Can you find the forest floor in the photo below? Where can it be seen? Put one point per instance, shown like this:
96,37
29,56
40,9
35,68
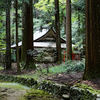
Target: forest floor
61,78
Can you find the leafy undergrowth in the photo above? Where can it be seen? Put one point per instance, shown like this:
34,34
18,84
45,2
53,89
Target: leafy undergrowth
67,67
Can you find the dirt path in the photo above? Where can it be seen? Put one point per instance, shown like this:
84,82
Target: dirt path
11,94
12,91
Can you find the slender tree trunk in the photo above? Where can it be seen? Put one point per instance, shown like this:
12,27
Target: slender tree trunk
92,69
68,30
17,48
8,40
57,28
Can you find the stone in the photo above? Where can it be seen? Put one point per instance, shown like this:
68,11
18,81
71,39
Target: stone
65,96
4,90
98,95
48,58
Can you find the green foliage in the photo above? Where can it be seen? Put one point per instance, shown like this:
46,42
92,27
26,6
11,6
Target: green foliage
46,12
31,65
22,65
3,5
2,30
56,69
78,23
79,5
68,66
73,66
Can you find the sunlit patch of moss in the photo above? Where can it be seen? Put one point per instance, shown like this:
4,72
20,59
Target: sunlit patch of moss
38,95
14,86
1,68
88,88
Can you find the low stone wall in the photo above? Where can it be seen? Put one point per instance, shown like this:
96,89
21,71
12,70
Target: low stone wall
52,88
77,92
84,93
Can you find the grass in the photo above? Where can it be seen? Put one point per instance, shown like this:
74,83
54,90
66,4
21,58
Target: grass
55,70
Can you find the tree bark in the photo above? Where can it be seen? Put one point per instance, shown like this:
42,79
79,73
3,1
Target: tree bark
17,48
30,60
8,40
24,33
27,43
92,69
57,28
68,30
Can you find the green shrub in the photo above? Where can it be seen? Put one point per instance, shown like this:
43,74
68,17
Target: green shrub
73,66
68,66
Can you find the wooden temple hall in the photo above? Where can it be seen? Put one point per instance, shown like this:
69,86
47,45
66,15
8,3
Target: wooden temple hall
44,45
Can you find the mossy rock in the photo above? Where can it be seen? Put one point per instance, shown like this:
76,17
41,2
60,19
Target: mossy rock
83,92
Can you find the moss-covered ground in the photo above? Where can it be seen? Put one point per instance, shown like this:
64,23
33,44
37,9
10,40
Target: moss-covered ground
15,91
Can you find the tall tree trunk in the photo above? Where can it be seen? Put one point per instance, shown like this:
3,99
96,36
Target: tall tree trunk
30,60
92,69
68,30
8,40
27,43
17,48
24,33
57,28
